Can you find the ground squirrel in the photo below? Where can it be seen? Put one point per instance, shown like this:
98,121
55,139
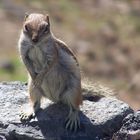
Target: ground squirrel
53,68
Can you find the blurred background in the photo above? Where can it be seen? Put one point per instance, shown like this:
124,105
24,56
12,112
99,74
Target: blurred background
104,34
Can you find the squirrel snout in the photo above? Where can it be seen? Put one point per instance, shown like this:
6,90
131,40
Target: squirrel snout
35,40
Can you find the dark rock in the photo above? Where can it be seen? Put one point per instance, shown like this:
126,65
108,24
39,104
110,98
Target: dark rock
130,129
99,120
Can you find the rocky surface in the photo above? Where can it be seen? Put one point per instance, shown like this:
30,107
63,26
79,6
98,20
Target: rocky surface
130,129
99,120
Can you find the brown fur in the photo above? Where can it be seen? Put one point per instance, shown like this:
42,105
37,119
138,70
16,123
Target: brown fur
67,50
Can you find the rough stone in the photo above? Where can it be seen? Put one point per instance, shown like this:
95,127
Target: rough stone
99,120
130,129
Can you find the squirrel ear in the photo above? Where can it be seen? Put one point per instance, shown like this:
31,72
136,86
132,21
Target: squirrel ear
47,19
26,16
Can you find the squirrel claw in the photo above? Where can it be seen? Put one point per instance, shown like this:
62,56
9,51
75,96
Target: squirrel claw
72,123
24,118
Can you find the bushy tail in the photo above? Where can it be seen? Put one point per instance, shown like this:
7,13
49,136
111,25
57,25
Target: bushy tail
95,91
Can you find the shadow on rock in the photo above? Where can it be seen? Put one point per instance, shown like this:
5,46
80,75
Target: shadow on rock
51,122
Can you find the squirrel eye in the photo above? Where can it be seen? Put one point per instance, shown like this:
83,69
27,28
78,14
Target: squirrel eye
46,28
26,28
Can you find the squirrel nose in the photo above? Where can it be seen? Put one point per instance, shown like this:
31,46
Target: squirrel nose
35,39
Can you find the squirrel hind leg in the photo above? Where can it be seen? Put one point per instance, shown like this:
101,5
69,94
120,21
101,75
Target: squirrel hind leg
72,122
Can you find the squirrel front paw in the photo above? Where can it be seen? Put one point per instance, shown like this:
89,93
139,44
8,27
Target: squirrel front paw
25,118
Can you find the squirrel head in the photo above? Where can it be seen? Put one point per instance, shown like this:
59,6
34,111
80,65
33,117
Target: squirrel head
36,27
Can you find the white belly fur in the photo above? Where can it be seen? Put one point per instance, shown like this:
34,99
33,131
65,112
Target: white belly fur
53,84
58,78
36,56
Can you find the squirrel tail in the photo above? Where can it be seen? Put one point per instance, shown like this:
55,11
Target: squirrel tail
95,91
